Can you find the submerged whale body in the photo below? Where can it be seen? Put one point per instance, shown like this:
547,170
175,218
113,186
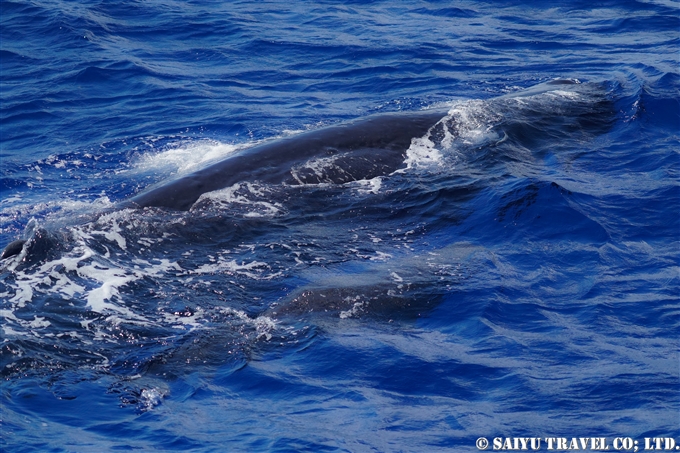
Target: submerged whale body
363,149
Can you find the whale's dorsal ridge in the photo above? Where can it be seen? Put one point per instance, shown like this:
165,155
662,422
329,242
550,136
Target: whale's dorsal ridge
363,149
13,248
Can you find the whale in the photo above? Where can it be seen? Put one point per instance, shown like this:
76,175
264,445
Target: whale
13,248
362,149
359,150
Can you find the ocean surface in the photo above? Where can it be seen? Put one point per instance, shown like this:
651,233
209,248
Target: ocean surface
518,275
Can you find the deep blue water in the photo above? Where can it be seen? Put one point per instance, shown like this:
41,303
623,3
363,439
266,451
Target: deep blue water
519,277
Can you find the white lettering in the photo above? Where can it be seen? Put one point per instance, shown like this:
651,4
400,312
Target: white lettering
598,443
623,443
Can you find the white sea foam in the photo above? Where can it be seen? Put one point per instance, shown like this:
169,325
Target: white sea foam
469,122
472,122
254,269
90,281
358,307
151,397
263,325
366,186
55,213
380,256
254,198
475,123
422,152
185,156
321,167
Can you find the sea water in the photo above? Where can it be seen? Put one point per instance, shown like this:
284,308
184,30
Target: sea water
518,277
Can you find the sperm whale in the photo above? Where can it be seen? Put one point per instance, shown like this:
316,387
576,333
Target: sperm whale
359,150
364,149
